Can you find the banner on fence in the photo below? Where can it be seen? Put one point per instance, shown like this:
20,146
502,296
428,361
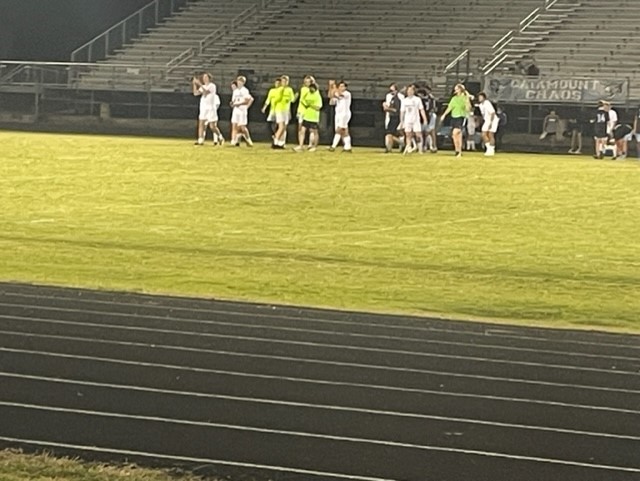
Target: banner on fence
529,89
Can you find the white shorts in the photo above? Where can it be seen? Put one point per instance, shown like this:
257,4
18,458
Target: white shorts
413,126
208,115
342,120
489,126
283,117
239,116
271,117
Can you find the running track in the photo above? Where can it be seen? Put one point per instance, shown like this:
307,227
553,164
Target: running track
311,393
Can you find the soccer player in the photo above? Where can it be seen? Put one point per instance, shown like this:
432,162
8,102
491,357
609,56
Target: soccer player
621,135
269,103
282,106
312,104
241,100
341,98
209,103
412,116
600,126
391,107
459,107
304,90
489,123
429,128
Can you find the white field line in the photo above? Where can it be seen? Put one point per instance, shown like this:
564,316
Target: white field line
269,327
501,332
172,367
559,367
325,437
221,462
327,407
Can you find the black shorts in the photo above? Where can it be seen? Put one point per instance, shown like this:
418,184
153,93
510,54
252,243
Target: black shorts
458,122
600,131
392,128
310,125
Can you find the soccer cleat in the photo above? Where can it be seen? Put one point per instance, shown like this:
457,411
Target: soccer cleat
347,151
458,155
312,149
331,149
298,148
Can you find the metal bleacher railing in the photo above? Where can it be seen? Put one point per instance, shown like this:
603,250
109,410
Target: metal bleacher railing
126,30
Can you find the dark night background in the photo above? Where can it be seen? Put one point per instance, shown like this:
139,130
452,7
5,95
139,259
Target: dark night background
50,29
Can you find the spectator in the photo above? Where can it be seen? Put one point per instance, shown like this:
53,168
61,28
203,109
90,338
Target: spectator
550,126
502,125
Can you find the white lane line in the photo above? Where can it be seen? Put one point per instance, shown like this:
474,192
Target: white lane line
299,360
270,327
327,407
188,459
320,382
325,437
485,332
266,340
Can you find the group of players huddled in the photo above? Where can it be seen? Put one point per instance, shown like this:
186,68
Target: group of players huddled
410,115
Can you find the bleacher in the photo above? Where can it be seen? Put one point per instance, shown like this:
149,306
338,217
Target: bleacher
375,42
603,39
401,41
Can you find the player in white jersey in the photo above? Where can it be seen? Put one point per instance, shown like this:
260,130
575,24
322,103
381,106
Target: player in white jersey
490,122
341,98
241,100
204,88
412,116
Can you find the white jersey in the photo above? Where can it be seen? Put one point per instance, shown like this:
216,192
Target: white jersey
387,100
613,120
207,96
239,98
487,110
343,103
411,107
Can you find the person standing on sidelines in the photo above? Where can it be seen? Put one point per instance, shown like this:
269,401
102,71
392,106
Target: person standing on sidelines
282,106
391,107
459,107
312,104
209,103
490,122
429,128
341,98
600,130
412,117
269,103
241,100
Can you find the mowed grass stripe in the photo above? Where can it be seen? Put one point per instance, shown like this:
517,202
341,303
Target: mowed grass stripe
539,239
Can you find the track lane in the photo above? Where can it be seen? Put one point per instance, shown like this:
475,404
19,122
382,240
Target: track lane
164,376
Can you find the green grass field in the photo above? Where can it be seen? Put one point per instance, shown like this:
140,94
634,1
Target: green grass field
538,239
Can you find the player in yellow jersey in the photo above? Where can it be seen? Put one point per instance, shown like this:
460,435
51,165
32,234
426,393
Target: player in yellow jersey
269,103
283,99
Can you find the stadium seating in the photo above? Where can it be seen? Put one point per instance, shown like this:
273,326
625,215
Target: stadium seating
400,41
387,41
599,39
